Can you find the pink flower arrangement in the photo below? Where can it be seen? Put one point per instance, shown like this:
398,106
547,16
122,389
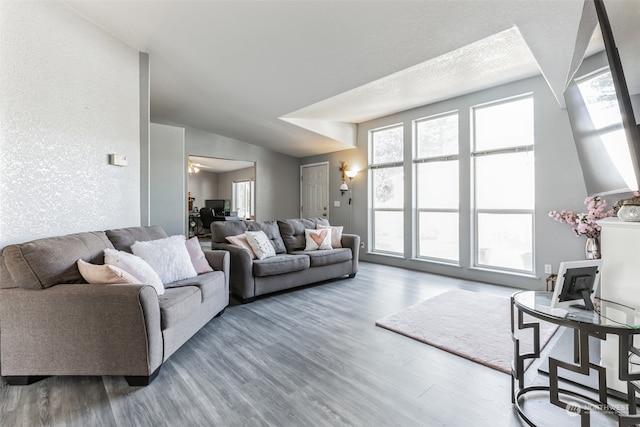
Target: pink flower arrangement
585,223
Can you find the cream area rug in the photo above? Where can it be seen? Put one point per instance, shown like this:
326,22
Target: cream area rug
472,325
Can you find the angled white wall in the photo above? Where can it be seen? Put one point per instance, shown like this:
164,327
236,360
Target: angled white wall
70,96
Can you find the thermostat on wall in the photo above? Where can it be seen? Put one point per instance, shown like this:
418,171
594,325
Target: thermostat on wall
118,159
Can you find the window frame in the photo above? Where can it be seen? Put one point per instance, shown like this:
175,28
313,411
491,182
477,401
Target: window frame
475,211
372,209
416,162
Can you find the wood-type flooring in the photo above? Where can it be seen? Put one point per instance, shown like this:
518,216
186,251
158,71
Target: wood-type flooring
308,357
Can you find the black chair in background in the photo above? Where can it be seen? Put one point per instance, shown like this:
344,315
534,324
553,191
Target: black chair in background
206,217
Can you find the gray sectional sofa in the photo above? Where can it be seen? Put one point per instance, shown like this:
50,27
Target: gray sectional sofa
292,266
53,323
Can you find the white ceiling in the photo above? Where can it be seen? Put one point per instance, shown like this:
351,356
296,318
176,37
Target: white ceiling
211,164
256,71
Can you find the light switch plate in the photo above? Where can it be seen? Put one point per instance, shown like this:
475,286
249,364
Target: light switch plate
336,203
118,159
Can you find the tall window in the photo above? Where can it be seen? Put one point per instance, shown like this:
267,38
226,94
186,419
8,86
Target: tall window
504,184
387,186
437,189
242,200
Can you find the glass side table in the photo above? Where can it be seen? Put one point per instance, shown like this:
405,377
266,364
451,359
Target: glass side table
609,318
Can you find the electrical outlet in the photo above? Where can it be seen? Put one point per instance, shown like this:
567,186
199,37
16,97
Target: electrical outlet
361,245
547,269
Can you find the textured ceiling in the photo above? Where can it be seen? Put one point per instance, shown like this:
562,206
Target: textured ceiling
257,71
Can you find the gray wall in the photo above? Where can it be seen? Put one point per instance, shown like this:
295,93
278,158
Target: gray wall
225,181
559,184
203,186
167,173
70,97
277,175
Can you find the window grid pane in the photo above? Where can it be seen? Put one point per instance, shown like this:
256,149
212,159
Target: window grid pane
389,231
437,185
387,145
437,137
438,233
388,187
505,240
505,181
504,125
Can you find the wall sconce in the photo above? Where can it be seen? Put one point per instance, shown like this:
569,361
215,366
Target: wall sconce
346,173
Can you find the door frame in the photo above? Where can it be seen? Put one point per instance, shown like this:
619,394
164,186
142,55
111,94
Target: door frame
326,165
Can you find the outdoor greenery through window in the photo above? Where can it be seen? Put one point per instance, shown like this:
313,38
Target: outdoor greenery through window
504,184
437,187
387,183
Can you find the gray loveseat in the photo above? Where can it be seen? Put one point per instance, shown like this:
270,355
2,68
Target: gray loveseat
292,266
53,323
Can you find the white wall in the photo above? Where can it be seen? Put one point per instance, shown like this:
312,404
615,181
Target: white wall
70,96
559,184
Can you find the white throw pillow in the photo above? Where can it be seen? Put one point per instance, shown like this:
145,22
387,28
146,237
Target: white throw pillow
104,274
168,257
260,244
336,234
317,239
199,261
135,266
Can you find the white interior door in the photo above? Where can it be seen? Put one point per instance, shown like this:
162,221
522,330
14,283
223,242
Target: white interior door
314,194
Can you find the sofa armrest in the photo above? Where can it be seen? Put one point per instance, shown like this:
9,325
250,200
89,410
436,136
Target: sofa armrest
241,282
76,329
219,260
352,241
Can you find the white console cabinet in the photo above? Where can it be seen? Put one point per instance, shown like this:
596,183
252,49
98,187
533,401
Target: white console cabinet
620,282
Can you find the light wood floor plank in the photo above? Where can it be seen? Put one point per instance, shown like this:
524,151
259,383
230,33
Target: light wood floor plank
309,357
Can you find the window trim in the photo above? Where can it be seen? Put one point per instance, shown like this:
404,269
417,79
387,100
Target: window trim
475,211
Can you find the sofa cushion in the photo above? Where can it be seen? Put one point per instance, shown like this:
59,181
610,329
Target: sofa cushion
292,231
327,257
104,274
220,230
46,262
123,238
260,244
280,264
210,284
135,266
168,257
178,303
198,259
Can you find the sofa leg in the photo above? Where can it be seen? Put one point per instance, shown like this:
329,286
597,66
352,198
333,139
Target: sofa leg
142,380
221,312
23,379
352,275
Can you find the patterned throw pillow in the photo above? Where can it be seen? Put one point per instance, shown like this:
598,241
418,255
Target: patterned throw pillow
317,239
336,234
260,244
241,241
